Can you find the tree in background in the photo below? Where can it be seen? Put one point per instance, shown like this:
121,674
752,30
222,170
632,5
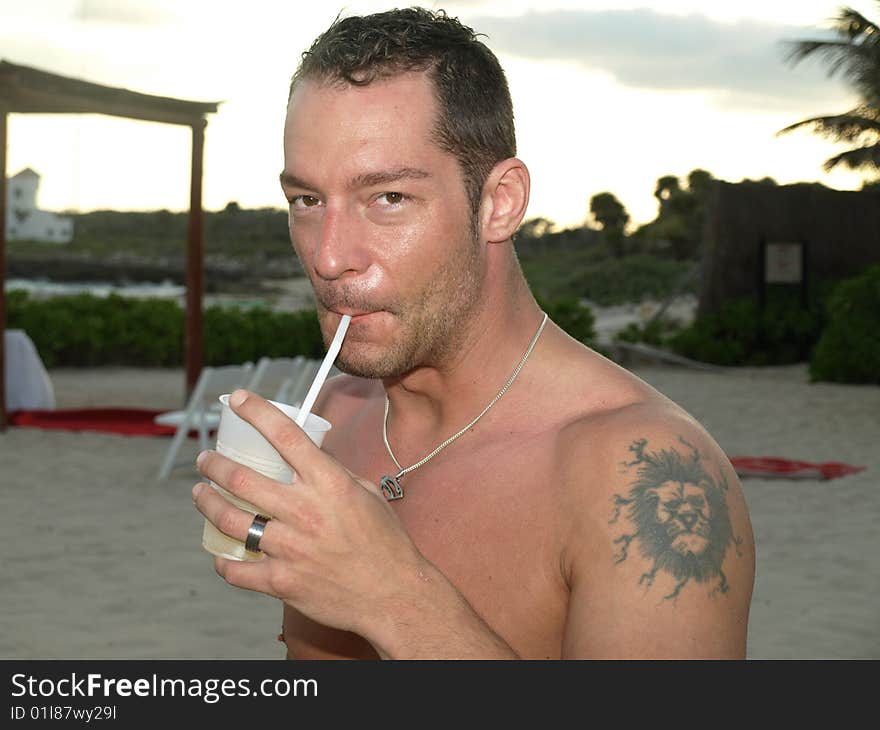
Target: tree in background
666,187
678,228
612,218
855,54
536,227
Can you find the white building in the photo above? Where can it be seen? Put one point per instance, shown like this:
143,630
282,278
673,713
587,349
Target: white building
24,221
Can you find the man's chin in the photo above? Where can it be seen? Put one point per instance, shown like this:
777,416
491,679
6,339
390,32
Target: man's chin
375,362
365,360
364,368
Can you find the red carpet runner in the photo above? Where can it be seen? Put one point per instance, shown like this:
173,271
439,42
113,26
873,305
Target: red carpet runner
128,421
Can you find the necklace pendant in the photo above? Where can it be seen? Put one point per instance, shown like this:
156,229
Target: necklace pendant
391,488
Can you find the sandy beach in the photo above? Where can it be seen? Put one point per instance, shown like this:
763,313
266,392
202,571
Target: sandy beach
106,562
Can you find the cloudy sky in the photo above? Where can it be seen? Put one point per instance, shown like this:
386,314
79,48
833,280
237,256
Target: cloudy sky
608,94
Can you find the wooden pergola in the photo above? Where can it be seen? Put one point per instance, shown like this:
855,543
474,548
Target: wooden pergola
25,90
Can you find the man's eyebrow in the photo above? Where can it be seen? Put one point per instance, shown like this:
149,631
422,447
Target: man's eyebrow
289,180
364,180
383,177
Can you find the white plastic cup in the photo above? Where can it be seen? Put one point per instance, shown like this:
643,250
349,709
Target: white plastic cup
241,442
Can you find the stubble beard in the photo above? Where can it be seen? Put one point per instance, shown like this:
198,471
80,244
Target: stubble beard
431,326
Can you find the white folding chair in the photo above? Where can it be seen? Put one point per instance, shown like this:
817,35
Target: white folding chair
271,373
295,387
202,411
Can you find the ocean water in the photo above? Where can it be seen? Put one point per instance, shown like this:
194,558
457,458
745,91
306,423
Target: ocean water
293,294
42,288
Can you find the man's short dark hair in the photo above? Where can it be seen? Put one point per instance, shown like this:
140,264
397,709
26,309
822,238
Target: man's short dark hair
475,111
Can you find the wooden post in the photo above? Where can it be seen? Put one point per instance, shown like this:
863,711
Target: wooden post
3,418
195,252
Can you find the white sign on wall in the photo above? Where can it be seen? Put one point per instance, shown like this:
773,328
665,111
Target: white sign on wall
783,263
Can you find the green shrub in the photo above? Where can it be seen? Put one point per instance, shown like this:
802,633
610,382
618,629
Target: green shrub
849,349
83,331
742,334
572,316
656,332
149,332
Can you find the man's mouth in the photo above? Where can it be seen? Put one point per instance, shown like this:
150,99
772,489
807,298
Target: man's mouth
355,314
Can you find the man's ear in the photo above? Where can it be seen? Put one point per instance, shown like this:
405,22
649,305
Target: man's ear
505,199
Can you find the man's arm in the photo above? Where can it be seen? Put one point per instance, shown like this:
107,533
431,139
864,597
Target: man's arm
662,562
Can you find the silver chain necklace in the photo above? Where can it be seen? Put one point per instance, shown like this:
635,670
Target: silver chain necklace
389,485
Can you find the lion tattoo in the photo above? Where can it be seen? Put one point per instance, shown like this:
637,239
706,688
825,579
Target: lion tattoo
680,515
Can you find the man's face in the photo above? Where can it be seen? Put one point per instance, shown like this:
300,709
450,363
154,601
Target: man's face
380,220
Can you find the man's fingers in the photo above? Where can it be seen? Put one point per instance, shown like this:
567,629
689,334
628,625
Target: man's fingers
252,576
292,442
265,494
229,519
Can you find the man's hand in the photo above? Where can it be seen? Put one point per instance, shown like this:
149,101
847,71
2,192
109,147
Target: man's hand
334,548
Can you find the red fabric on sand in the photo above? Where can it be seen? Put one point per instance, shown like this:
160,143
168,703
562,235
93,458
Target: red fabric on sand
128,421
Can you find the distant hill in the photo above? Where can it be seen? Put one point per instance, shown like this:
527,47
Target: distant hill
241,246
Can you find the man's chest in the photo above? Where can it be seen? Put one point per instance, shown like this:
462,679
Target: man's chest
484,513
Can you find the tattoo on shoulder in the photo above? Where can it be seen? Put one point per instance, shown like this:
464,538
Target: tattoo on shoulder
678,518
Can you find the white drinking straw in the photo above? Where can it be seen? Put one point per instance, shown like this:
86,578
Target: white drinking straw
329,359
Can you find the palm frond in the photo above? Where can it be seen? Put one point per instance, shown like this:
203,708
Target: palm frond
853,52
845,58
850,126
857,159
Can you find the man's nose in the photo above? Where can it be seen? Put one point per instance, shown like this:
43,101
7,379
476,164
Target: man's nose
340,249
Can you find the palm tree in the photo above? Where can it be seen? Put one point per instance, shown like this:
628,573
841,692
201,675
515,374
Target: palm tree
612,218
855,54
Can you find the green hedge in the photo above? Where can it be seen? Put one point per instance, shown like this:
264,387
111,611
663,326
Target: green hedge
741,333
84,330
849,349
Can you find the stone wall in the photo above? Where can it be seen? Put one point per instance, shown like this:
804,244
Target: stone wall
841,230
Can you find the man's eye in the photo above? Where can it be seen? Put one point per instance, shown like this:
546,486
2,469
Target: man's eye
302,202
391,199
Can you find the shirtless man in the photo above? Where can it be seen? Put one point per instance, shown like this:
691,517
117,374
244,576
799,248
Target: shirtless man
583,515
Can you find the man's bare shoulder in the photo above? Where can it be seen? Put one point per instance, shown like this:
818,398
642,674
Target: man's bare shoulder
609,442
659,534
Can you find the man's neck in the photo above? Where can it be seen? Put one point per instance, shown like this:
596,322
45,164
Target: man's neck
430,403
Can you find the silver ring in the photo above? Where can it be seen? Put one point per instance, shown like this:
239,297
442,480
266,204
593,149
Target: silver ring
255,533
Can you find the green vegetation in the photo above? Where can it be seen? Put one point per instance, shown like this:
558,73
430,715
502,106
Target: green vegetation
233,231
742,334
677,231
574,273
612,218
242,247
657,332
84,330
849,349
573,317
